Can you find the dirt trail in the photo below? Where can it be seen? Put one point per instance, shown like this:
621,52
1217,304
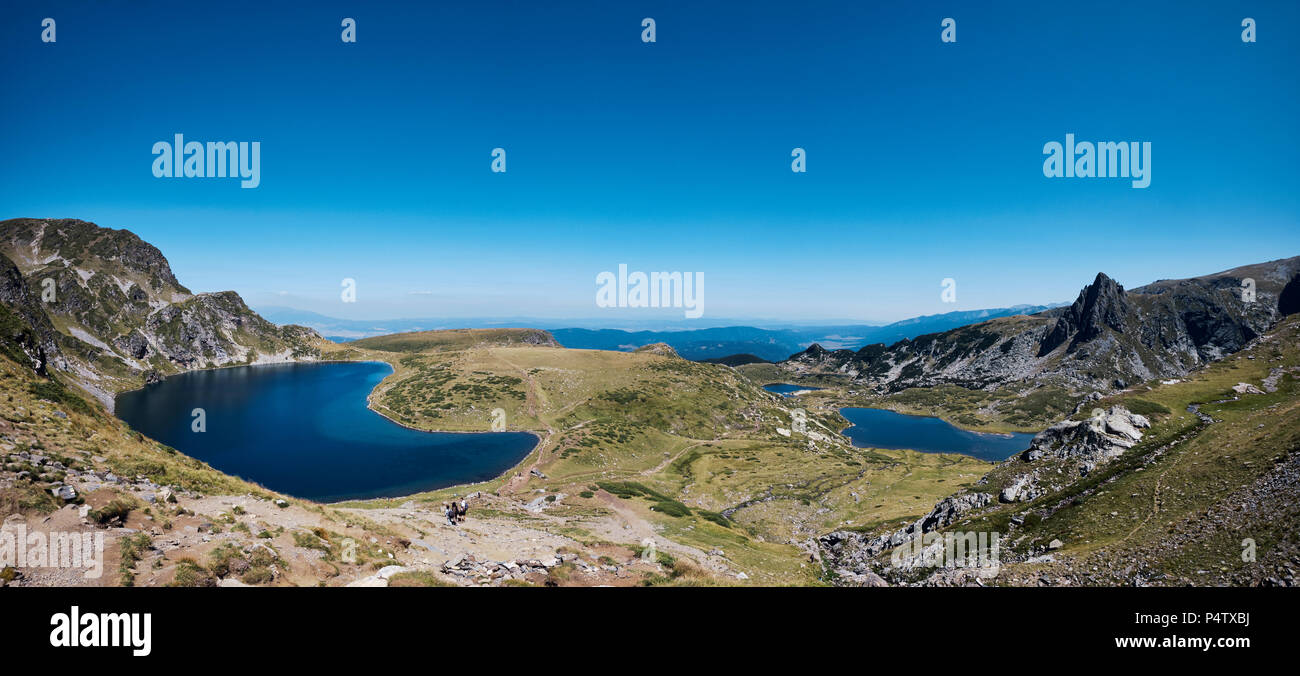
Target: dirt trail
632,526
533,395
672,458
1155,493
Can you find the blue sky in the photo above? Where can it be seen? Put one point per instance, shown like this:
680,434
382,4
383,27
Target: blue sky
924,158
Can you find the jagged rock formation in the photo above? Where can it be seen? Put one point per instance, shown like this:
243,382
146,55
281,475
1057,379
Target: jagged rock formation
103,306
1107,339
1101,304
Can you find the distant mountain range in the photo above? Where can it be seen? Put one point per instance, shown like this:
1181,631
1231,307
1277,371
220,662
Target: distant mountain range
714,343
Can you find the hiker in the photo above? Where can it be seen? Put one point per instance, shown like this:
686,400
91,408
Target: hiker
464,508
447,512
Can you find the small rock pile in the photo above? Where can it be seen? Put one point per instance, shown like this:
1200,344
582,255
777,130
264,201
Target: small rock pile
494,572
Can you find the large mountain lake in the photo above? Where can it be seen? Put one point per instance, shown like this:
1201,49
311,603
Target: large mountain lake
878,428
305,430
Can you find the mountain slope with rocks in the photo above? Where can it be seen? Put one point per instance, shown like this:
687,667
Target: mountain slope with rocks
103,308
1181,481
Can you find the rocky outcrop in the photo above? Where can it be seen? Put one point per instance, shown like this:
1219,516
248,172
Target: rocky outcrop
852,551
1021,488
218,329
538,337
1097,440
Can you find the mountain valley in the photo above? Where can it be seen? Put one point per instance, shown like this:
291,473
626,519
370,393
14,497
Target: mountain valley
1169,419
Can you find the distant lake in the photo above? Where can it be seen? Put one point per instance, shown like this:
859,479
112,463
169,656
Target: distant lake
878,428
786,389
305,430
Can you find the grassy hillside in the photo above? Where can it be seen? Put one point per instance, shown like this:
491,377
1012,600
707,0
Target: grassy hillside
455,339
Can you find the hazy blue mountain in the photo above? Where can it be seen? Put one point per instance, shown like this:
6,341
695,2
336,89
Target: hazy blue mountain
773,343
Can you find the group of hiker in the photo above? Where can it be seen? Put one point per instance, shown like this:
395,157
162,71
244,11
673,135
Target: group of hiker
455,511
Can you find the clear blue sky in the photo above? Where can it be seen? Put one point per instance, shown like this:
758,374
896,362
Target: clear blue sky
924,158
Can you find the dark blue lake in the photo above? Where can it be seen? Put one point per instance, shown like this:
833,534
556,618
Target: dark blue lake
878,428
786,389
305,430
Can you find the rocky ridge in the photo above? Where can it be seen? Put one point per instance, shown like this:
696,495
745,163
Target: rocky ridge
1107,339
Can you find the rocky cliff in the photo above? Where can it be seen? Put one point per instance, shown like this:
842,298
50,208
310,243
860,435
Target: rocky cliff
103,307
26,334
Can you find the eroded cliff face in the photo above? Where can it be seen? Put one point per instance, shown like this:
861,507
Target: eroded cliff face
26,334
1107,339
104,307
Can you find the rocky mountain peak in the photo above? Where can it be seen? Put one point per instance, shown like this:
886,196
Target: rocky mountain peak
815,351
1101,304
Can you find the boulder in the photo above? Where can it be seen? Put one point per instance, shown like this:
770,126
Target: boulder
389,571
1094,441
1019,489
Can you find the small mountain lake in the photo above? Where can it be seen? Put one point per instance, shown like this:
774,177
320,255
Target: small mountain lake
878,428
786,389
305,430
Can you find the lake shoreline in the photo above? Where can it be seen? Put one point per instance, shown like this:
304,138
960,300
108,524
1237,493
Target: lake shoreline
887,429
434,466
